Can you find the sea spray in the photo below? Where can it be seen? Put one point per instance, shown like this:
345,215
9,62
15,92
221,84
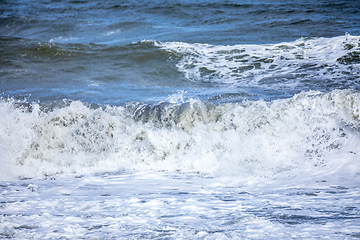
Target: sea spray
253,138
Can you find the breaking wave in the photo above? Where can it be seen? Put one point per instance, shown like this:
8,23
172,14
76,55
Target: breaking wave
309,131
304,64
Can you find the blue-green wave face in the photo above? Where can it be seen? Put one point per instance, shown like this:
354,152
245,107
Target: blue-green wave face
152,71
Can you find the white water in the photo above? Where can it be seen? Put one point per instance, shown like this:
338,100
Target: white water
214,162
149,205
282,169
306,63
309,132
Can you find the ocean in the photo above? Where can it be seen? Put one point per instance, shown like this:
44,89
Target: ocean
179,119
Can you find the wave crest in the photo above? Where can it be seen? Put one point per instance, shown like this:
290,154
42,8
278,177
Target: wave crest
302,64
254,138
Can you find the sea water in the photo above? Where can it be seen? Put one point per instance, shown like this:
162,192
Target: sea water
180,119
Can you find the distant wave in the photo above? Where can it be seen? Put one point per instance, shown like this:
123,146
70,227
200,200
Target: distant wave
305,64
267,71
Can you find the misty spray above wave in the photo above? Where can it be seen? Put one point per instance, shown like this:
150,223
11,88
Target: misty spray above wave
255,138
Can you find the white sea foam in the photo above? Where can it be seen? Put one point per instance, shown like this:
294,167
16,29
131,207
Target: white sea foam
62,39
159,205
293,64
310,133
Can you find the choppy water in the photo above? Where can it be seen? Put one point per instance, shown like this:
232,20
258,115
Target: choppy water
179,119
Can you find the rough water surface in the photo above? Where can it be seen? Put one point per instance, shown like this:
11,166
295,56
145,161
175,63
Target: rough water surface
179,119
